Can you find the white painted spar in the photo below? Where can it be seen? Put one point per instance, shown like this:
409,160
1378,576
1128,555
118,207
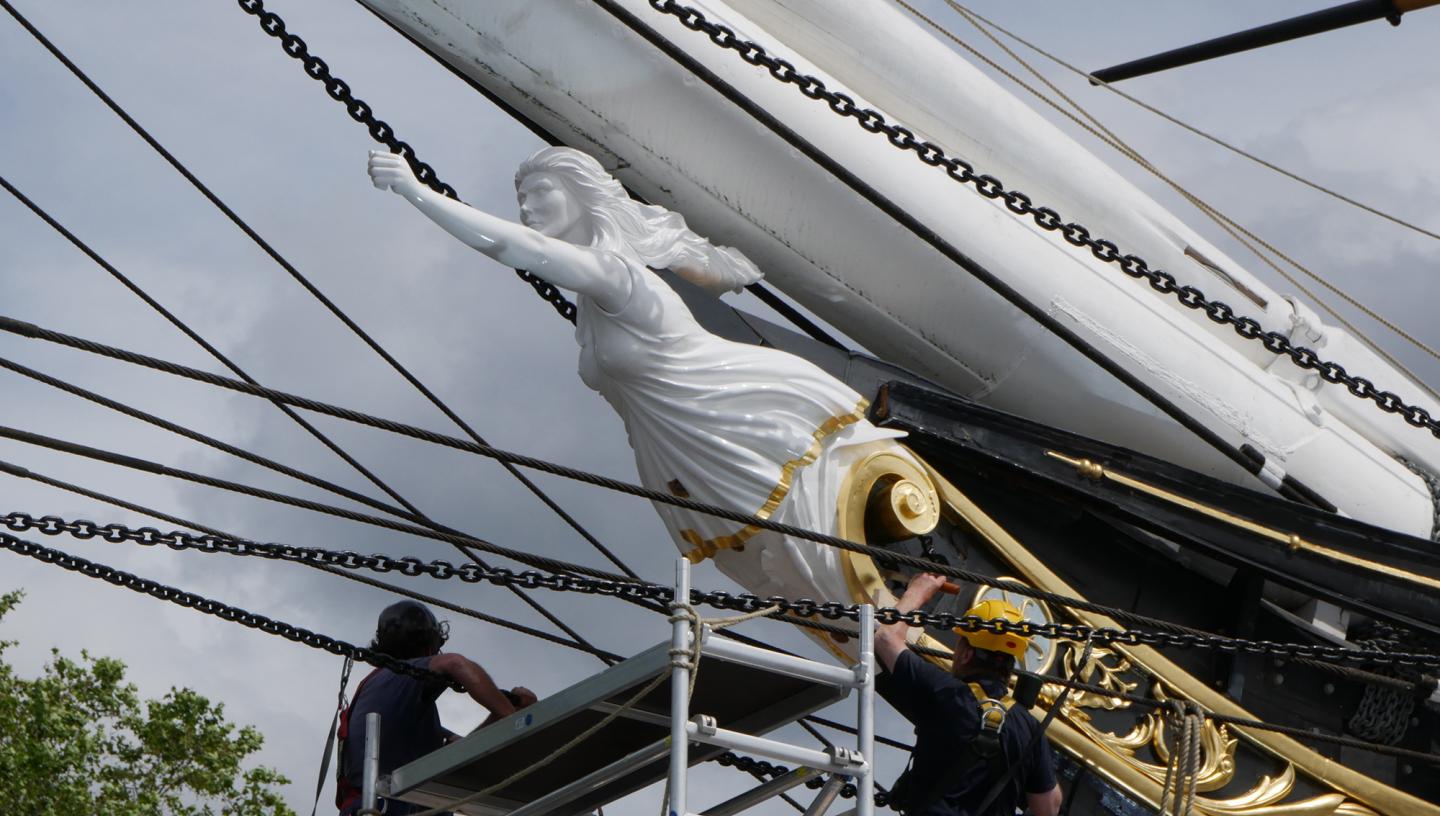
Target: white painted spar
579,73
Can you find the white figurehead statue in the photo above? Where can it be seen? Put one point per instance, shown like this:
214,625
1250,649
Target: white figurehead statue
745,427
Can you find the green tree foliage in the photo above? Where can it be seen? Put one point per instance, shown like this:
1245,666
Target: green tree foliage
79,741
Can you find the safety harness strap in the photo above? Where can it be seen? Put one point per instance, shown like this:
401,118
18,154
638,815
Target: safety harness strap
345,792
330,738
982,747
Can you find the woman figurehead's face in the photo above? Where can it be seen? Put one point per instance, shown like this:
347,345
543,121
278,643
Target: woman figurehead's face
548,207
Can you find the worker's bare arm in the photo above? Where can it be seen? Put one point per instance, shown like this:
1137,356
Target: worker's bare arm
1045,804
890,639
476,681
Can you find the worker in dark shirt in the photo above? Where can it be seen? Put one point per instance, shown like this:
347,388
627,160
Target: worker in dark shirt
409,721
955,767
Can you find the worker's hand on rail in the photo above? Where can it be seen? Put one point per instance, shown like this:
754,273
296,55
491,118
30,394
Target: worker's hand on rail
523,696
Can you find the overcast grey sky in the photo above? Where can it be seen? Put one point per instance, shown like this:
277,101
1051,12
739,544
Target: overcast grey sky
1357,110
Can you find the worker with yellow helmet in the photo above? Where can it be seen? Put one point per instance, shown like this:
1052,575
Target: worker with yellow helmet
970,751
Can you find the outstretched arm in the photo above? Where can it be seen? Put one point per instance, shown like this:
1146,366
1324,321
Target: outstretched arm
890,640
579,269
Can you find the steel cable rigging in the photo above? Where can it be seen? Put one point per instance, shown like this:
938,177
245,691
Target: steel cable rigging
320,641
59,484
801,609
1352,674
430,528
409,511
880,554
1239,233
1198,132
379,129
1017,203
200,341
27,473
376,127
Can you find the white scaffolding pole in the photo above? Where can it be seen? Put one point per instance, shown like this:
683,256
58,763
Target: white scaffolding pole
679,691
370,774
865,716
856,763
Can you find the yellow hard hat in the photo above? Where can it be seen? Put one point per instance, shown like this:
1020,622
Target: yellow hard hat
1008,642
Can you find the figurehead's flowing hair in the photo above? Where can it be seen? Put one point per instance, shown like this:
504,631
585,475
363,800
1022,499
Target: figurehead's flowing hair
656,235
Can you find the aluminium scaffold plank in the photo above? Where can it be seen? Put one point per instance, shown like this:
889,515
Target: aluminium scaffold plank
629,753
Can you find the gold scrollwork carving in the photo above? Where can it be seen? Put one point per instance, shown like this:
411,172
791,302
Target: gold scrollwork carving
1112,670
1136,760
1115,756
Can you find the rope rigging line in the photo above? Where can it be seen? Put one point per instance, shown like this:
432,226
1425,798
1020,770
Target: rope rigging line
362,654
606,656
744,602
1226,719
1198,132
448,534
266,463
199,340
1246,238
410,511
26,473
883,555
190,600
335,85
333,646
1019,204
1182,771
212,442
136,463
380,131
759,290
431,530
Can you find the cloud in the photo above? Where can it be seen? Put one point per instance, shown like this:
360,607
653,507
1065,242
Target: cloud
226,100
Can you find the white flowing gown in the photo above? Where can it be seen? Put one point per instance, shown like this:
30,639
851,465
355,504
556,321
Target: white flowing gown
745,427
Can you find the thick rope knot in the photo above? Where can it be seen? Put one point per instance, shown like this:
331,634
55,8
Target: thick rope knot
1177,793
685,611
690,658
687,658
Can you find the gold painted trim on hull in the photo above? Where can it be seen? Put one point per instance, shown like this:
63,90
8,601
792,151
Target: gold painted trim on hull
1094,470
1359,787
863,579
702,549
